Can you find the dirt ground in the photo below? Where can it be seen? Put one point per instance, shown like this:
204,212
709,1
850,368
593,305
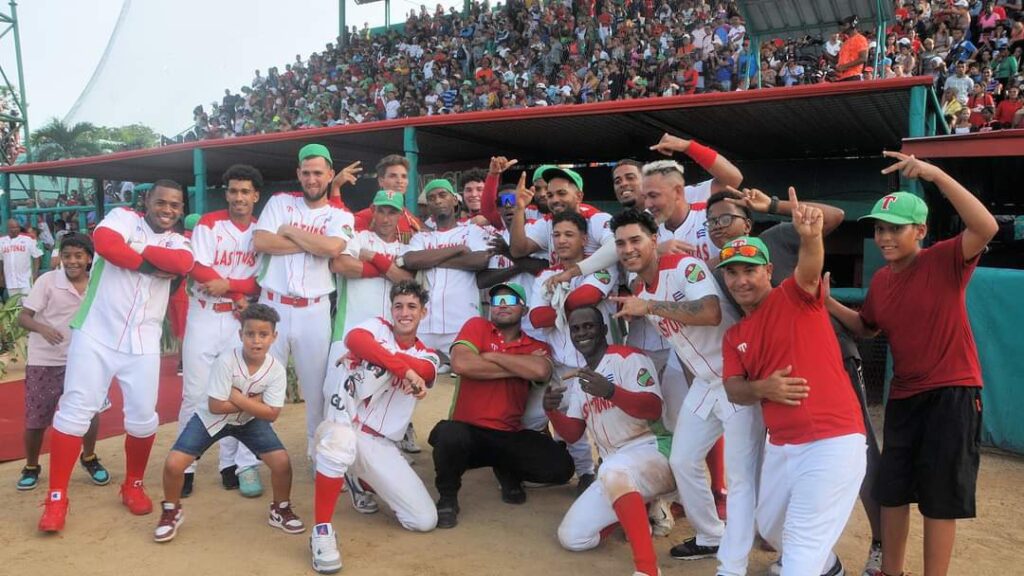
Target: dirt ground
226,534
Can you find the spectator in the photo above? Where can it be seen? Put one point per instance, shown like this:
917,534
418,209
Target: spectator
960,82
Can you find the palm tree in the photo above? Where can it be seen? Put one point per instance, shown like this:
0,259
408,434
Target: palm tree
57,141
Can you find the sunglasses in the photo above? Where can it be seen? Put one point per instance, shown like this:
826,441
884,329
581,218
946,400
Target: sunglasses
507,200
745,250
504,300
723,220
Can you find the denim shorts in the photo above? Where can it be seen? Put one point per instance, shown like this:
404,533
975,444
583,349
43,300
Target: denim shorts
257,435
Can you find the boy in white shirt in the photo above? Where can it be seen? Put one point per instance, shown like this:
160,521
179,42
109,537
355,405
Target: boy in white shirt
246,393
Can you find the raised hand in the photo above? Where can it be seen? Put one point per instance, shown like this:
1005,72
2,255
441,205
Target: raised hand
348,175
783,389
524,194
753,198
911,167
808,220
500,163
670,144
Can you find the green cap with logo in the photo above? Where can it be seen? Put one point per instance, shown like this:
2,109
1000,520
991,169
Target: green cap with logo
899,208
442,184
516,288
395,200
745,249
313,151
548,172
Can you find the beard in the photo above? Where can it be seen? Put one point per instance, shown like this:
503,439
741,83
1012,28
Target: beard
312,197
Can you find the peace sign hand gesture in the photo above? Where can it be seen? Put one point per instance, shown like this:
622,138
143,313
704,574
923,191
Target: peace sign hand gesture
911,167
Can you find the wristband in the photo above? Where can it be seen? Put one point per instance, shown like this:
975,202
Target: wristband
701,154
773,206
370,271
381,262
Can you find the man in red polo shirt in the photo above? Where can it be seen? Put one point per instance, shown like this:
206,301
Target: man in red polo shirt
784,355
496,363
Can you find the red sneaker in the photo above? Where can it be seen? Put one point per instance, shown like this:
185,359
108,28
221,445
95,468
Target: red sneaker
55,509
133,495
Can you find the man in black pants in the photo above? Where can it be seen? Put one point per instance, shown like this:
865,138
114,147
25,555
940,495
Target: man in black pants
496,363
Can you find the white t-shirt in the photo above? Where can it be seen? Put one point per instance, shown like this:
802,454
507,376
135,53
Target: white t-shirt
360,299
219,244
230,371
598,231
124,309
610,427
379,402
301,275
562,349
18,253
454,297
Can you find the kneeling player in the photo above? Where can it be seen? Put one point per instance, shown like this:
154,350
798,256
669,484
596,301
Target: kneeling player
617,396
245,394
387,370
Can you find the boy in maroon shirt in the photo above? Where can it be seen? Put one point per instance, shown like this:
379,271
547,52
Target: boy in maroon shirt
933,417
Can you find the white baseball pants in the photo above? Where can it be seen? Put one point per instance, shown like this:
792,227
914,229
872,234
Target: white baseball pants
381,465
534,418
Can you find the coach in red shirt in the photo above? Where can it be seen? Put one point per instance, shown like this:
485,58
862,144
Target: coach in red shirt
496,363
784,354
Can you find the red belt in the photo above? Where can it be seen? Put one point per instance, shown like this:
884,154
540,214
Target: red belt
293,302
217,306
367,429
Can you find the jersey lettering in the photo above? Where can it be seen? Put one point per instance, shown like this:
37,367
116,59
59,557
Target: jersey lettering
231,258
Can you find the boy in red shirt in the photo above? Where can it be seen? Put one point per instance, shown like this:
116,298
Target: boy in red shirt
933,416
784,355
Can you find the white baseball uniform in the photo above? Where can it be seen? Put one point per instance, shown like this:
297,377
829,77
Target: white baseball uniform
212,329
628,446
17,254
524,279
368,414
454,297
297,286
694,230
706,413
116,332
598,231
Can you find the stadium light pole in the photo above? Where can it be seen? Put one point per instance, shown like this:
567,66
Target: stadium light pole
342,25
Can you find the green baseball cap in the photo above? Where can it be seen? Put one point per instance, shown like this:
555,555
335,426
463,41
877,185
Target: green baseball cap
746,249
191,220
388,198
549,171
899,208
443,184
314,150
516,288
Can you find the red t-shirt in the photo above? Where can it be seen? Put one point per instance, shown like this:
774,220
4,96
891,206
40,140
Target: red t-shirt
923,312
850,51
792,328
1005,111
493,404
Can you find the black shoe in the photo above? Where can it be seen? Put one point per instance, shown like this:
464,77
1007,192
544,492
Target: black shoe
690,550
583,483
229,477
513,494
447,513
186,488
836,569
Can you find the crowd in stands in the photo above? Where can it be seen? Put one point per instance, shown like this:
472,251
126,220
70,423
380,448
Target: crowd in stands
526,54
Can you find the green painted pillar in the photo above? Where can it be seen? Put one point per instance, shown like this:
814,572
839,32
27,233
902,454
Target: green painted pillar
387,14
199,171
917,128
412,154
5,202
342,25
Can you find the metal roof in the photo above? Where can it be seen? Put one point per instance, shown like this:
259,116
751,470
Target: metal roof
791,18
811,121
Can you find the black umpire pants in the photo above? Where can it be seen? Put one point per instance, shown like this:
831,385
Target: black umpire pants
525,455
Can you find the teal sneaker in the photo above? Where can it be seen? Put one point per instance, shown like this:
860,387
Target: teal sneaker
29,478
97,473
249,482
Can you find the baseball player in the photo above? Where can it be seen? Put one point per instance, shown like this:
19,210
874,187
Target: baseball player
502,268
116,333
223,278
783,354
19,259
392,175
616,396
493,187
933,415
678,295
449,256
387,370
366,272
297,234
245,394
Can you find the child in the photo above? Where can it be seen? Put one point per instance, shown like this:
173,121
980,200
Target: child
246,393
933,416
46,314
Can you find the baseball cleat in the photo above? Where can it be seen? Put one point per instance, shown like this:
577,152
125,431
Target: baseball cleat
324,547
660,515
362,501
97,473
408,442
29,478
171,517
282,516
55,510
690,550
836,569
133,495
249,482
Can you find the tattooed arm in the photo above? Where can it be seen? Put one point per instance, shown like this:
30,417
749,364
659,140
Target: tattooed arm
703,312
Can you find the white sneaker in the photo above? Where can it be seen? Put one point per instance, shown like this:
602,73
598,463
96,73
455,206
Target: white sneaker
444,369
873,567
408,442
324,548
362,501
776,568
660,515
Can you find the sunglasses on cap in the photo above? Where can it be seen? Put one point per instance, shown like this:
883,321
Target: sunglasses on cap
745,250
504,300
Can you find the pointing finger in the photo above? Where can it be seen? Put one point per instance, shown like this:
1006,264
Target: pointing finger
793,202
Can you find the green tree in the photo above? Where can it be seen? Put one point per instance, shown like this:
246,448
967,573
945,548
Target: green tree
131,137
57,141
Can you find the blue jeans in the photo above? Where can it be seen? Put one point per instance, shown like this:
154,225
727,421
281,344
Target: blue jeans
256,434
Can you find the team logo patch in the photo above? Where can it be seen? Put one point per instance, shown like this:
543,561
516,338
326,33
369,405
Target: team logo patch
603,277
321,529
742,347
347,231
888,201
694,273
644,378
